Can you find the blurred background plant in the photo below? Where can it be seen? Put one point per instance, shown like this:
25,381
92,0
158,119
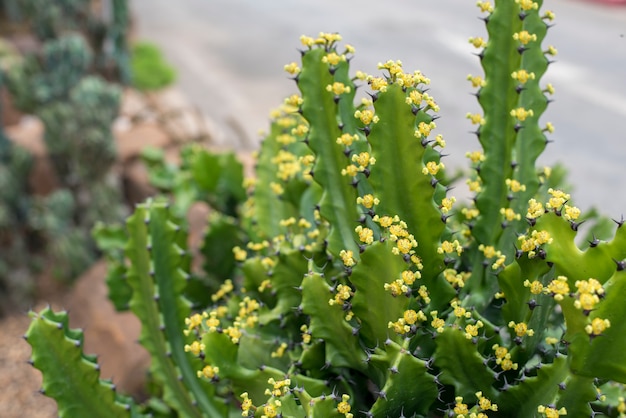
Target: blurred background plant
71,78
150,71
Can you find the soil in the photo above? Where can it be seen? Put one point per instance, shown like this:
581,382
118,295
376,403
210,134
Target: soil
20,382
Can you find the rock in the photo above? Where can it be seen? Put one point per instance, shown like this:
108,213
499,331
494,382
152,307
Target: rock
132,140
111,335
10,115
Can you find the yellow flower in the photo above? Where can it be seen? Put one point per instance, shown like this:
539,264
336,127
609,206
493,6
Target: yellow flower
472,330
338,88
333,58
347,139
521,114
344,406
527,5
209,372
432,168
368,201
521,329
477,81
597,326
366,235
475,118
478,42
484,6
523,76
423,129
558,288
292,68
366,116
524,37
195,348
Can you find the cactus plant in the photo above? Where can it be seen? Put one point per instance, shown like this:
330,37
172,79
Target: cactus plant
363,289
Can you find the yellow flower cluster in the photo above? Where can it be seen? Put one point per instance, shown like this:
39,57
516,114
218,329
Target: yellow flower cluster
550,412
432,168
455,278
589,293
366,116
477,81
476,118
524,37
530,244
503,358
448,247
368,201
521,329
410,317
523,76
344,407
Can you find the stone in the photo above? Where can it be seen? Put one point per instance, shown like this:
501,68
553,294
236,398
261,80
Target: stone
111,335
133,139
10,115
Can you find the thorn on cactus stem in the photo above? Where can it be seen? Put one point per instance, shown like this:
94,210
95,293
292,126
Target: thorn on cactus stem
620,222
366,130
382,394
354,183
522,49
336,99
434,182
374,96
519,89
362,248
517,127
532,304
522,16
332,70
575,225
415,110
621,265
594,242
514,164
531,221
444,218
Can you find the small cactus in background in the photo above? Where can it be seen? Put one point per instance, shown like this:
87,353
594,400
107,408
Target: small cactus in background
77,110
361,287
103,25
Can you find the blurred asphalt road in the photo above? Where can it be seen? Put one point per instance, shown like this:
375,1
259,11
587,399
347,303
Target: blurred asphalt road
230,56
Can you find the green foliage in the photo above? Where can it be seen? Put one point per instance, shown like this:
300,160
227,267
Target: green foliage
59,84
360,288
149,68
